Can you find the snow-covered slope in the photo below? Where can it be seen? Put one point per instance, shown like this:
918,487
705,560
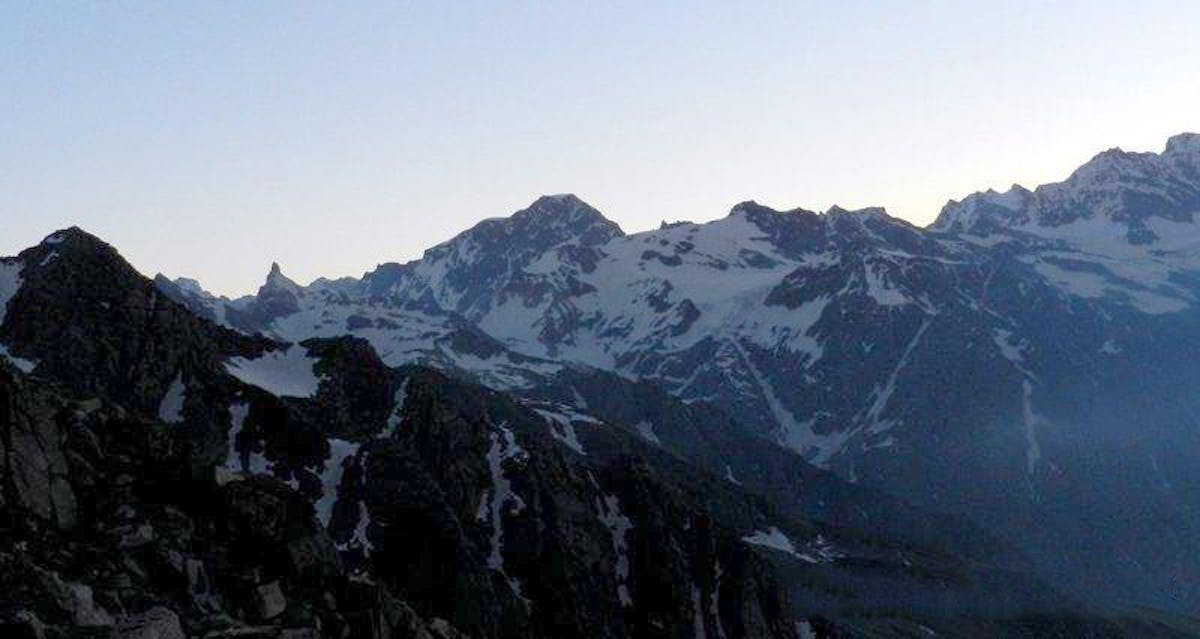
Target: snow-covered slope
1019,353
741,309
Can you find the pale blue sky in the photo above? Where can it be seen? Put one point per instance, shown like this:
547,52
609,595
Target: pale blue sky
208,139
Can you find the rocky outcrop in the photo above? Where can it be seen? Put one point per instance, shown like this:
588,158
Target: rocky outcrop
33,453
152,552
94,324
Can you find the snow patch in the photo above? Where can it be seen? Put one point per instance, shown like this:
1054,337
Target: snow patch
1009,348
646,429
170,409
24,365
1088,285
10,283
501,372
234,467
880,290
283,373
729,476
775,539
1033,449
771,538
698,614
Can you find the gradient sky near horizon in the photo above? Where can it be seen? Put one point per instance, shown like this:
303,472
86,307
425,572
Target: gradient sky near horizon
209,139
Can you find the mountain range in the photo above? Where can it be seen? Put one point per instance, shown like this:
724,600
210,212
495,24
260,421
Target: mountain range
778,423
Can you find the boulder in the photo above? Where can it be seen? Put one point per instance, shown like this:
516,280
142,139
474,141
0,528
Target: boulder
136,536
299,633
269,600
155,623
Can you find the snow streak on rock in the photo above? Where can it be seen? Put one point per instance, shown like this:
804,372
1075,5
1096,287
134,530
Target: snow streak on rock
715,603
359,538
729,476
331,477
236,463
874,416
619,526
562,425
504,447
397,415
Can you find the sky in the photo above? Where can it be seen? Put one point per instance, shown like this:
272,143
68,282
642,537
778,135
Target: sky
209,139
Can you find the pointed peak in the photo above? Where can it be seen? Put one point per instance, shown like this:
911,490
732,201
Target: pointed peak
277,281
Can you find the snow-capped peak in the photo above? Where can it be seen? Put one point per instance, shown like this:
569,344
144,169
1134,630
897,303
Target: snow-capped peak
986,206
1113,165
565,215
